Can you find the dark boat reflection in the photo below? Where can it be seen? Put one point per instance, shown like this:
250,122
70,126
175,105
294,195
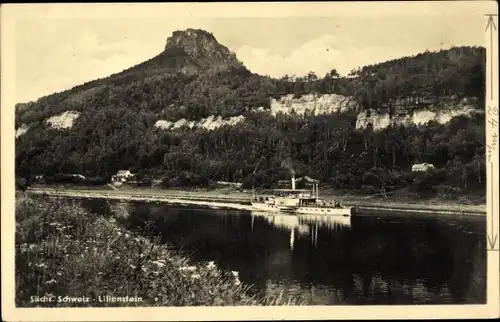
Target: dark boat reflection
303,225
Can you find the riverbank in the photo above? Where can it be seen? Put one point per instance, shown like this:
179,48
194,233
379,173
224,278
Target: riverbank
234,199
68,256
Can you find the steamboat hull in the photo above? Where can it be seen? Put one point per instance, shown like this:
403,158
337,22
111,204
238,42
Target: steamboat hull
324,211
272,208
346,211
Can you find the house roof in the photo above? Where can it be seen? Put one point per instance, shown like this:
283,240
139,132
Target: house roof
122,172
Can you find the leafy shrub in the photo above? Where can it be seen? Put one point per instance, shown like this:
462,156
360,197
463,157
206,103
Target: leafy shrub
446,189
369,190
425,182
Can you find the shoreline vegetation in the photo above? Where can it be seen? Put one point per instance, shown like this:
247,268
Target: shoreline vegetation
390,203
68,256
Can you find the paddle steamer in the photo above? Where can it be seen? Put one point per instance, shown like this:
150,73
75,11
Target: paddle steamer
297,201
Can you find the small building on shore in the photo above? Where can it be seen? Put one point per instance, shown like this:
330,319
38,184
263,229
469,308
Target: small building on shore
422,167
122,176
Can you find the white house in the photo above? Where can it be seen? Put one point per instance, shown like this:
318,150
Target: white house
122,176
421,167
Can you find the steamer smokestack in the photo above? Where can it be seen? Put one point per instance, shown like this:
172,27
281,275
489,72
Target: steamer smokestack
293,182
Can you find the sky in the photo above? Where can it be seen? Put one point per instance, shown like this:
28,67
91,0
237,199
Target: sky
56,47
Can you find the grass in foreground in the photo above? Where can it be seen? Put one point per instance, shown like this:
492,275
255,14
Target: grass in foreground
65,250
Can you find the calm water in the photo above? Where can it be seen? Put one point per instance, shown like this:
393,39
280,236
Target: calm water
357,260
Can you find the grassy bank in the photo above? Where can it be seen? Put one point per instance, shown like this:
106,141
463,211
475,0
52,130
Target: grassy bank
64,252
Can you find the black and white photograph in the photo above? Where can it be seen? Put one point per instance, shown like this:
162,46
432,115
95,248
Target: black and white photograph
296,158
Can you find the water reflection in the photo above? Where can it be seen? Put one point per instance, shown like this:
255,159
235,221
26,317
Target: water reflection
303,225
331,259
328,222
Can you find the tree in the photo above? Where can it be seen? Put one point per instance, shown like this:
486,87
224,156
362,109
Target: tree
238,175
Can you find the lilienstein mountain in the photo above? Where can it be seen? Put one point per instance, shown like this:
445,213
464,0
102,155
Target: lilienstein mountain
194,115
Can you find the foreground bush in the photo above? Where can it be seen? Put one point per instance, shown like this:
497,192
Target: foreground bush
64,250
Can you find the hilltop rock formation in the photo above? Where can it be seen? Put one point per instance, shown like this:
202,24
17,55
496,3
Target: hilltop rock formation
203,50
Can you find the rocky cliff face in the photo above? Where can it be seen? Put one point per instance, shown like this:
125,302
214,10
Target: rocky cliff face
312,103
64,120
202,49
21,130
420,117
210,123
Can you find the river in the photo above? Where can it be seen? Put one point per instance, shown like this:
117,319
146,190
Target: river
369,259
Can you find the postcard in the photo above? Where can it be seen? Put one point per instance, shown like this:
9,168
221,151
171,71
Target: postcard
249,161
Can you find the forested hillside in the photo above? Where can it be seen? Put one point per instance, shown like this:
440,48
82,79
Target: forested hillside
196,77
